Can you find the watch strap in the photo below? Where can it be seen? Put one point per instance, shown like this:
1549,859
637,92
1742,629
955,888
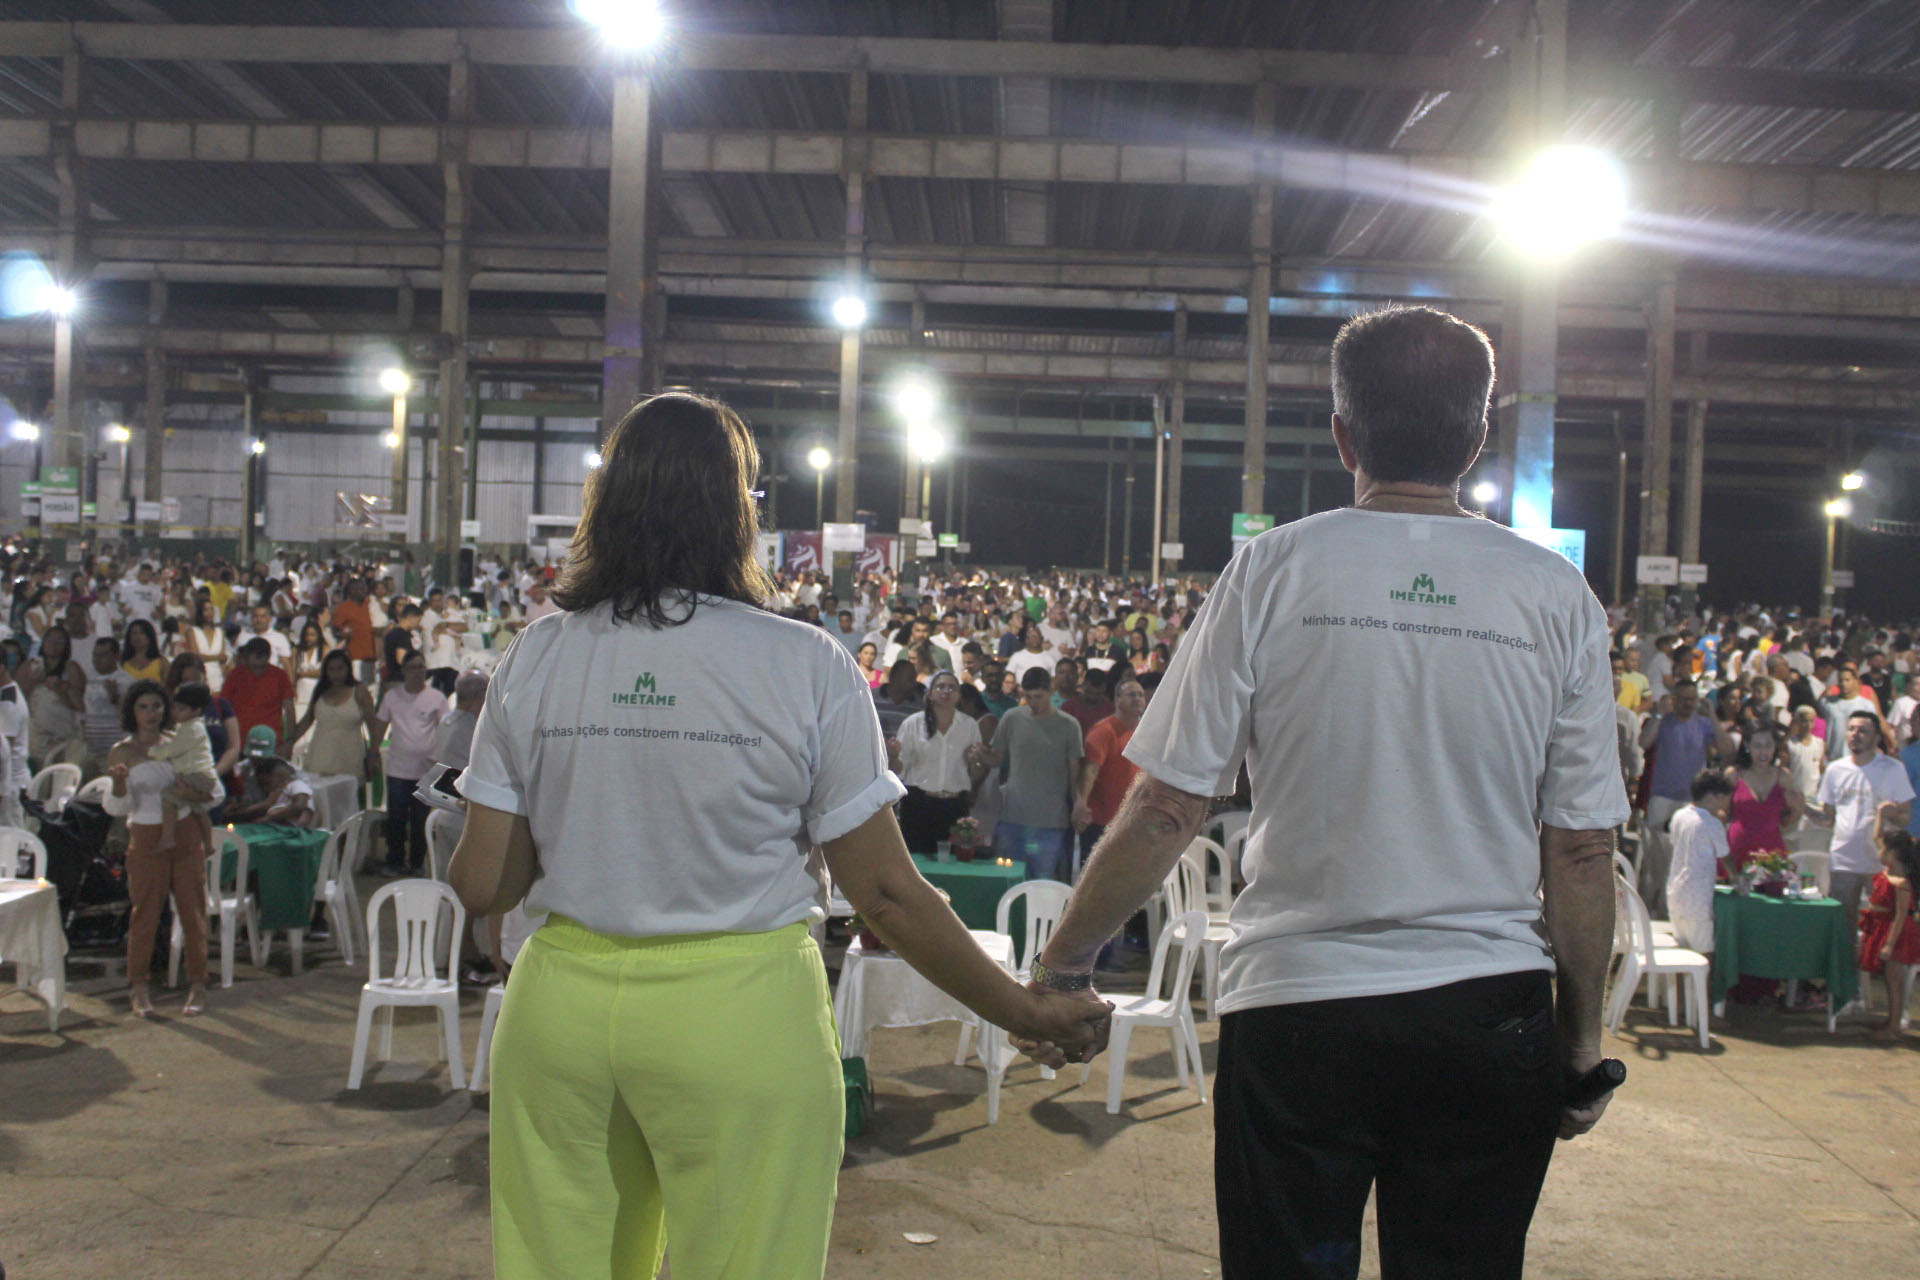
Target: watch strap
1058,981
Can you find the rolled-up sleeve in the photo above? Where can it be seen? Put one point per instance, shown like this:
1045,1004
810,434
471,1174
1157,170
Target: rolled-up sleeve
1580,788
1194,734
851,781
495,774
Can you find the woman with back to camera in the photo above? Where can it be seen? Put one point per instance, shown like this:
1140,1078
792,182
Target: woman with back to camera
652,768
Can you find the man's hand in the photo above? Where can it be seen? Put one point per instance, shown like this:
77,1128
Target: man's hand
1080,1036
1575,1121
1082,815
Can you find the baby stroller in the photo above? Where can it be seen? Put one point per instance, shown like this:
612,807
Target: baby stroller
89,877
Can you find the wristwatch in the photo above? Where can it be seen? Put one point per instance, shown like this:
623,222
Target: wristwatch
1046,977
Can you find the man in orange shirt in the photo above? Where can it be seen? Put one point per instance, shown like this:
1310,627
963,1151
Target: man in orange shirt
353,617
1105,773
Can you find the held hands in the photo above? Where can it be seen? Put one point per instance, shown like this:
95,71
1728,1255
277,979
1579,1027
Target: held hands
1063,1026
1082,815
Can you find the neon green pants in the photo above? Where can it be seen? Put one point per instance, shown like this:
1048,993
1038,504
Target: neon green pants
681,1089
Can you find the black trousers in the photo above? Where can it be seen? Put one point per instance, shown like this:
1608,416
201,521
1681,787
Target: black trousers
406,826
925,820
1448,1099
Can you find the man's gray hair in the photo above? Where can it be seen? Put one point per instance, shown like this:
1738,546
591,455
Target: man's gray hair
470,686
1411,385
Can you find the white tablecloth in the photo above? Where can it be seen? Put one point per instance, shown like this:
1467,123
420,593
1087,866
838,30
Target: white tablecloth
336,797
882,990
31,938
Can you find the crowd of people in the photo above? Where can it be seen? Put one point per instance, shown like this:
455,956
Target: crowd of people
213,693
1762,733
1005,699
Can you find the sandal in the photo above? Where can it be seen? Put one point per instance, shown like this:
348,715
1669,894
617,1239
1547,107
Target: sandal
196,1002
141,1004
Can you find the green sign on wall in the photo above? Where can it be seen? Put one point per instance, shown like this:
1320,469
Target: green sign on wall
1246,525
60,479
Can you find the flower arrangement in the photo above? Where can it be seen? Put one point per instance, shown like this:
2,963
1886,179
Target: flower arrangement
869,940
1771,871
964,835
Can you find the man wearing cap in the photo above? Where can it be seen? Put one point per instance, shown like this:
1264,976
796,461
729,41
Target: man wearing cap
261,692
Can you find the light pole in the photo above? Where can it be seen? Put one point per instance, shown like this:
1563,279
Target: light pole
396,383
819,459
1837,510
29,433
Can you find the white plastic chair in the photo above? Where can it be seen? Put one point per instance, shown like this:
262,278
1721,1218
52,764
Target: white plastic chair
1227,824
1187,932
1661,965
12,841
95,791
230,906
443,832
1046,902
415,981
1236,850
333,890
54,785
359,830
1216,899
1662,931
489,1014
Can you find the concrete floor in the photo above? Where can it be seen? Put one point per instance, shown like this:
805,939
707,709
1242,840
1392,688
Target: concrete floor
227,1146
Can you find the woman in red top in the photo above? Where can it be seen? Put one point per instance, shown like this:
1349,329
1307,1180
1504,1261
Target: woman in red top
1763,795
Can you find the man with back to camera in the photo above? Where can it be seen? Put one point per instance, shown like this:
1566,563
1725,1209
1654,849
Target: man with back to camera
1678,734
1389,1017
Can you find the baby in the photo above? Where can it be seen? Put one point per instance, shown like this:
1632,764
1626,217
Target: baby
190,753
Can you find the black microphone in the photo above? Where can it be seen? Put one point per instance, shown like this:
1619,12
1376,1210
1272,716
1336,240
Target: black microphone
1585,1090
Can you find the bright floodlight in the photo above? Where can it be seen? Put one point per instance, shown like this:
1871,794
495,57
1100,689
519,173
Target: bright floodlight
916,398
592,459
850,311
1568,197
1486,493
118,434
395,382
1840,508
256,447
24,430
632,25
58,300
818,458
928,442
391,440
1852,480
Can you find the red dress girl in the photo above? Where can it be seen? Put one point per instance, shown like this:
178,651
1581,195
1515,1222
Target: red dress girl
1877,921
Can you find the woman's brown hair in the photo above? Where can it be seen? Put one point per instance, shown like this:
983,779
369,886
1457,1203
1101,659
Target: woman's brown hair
668,510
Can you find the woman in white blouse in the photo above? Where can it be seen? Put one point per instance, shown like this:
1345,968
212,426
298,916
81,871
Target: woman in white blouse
654,768
207,640
931,755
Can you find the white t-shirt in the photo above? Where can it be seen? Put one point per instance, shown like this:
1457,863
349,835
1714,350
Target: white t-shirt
277,641
142,599
442,650
1412,695
1023,661
1699,842
1856,792
13,724
677,779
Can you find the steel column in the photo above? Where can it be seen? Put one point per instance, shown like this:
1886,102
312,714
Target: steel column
1656,451
630,247
454,279
854,243
1253,468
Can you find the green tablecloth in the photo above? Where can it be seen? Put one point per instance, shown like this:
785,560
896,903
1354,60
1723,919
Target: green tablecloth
976,889
1782,938
284,863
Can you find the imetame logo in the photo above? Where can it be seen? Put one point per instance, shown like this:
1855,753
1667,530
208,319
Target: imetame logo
1423,591
645,694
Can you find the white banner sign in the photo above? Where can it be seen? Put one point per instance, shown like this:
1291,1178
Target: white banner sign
391,523
1657,571
60,508
1692,574
470,528
170,510
1842,579
850,538
148,512
927,548
176,533
1172,550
